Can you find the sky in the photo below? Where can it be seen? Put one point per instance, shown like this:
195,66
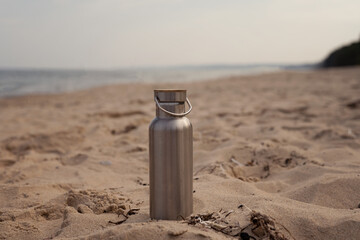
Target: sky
100,34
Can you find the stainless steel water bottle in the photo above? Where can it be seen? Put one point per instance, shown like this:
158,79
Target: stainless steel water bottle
171,157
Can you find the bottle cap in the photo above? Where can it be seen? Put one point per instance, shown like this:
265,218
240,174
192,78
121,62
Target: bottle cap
170,95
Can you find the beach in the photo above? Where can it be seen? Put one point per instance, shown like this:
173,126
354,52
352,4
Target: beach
276,155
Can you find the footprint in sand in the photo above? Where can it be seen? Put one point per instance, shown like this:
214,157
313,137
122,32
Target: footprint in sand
354,104
127,129
252,164
118,114
334,134
6,162
58,142
75,160
50,211
136,149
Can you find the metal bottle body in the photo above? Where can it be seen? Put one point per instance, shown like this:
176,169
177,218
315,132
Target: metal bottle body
171,164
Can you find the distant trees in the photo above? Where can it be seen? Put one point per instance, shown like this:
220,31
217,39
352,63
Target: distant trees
348,55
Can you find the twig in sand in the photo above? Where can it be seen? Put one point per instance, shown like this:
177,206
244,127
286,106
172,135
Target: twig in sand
231,211
132,211
118,222
181,217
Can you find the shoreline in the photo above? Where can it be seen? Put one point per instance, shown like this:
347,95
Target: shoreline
171,83
22,82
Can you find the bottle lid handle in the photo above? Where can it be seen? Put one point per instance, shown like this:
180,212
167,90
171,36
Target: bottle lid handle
174,114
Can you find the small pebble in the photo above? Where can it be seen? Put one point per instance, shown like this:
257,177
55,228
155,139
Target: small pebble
105,163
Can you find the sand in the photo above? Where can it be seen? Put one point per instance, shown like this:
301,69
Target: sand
275,155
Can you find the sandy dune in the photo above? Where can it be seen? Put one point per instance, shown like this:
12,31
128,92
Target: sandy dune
275,155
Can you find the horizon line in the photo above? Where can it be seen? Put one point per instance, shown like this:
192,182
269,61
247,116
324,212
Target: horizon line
154,67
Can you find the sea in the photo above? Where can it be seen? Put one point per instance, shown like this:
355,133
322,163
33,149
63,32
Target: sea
17,82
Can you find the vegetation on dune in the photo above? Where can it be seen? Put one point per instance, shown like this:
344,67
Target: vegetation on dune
348,55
